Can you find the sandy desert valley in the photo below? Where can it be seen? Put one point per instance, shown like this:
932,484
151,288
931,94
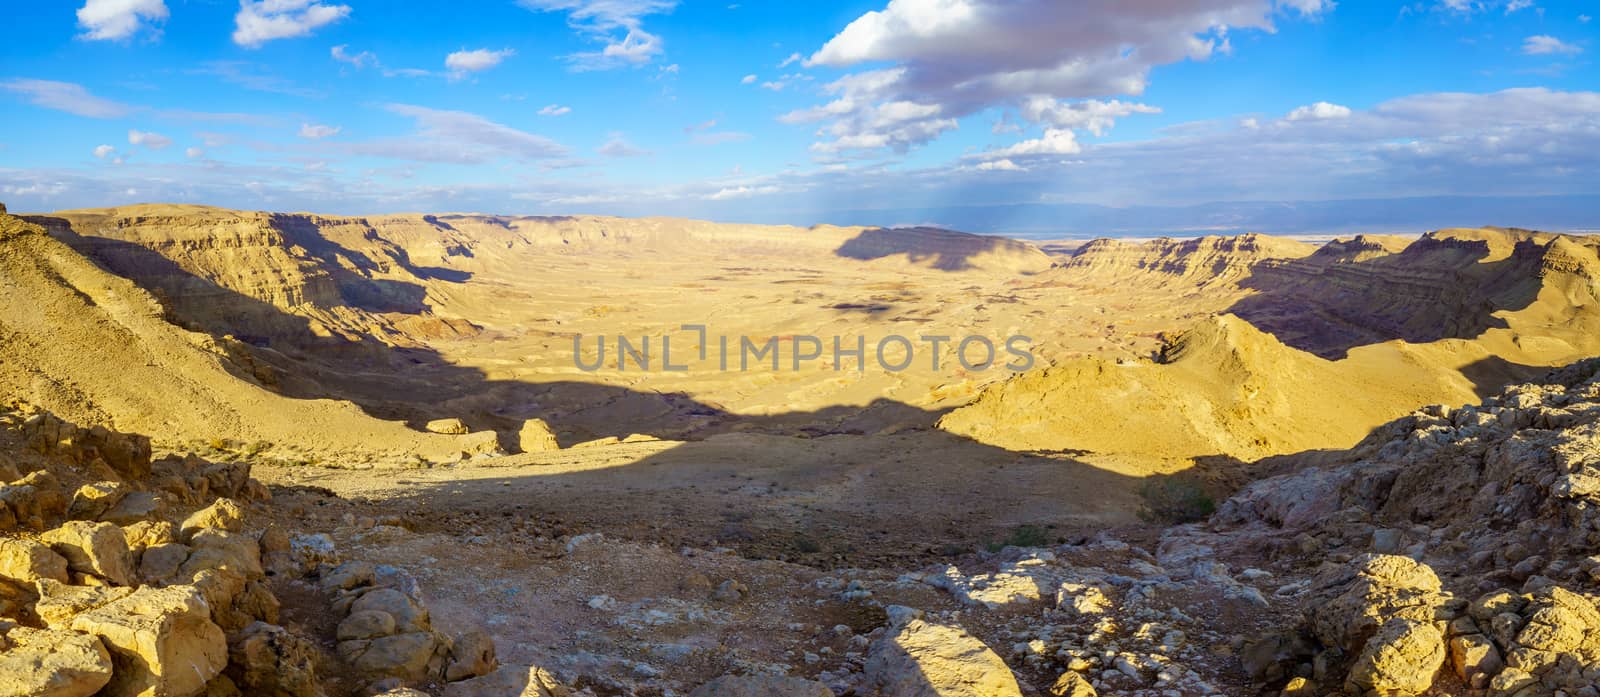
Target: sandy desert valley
856,348
404,391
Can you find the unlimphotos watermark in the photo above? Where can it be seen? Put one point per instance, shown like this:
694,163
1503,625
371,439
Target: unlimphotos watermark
892,353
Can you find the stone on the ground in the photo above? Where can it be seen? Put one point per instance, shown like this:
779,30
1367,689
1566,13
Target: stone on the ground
91,501
269,661
1072,684
28,561
1401,659
536,437
59,602
224,514
93,548
916,658
448,427
511,681
135,507
50,663
471,655
162,642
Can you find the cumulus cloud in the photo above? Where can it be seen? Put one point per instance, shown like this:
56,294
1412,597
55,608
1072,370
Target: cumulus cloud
120,19
1318,112
555,110
617,24
456,137
1545,45
749,80
462,62
318,132
617,146
260,21
66,96
953,58
154,141
104,151
792,59
737,192
1001,166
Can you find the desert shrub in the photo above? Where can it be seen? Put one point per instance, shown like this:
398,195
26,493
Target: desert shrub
1023,536
1175,500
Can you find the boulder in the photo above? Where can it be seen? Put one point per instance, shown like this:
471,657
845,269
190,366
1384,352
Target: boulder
367,624
1072,684
28,561
162,642
266,660
1373,589
59,603
224,514
134,508
448,427
93,548
159,564
511,681
149,533
91,501
762,686
537,437
51,663
410,657
1400,660
409,616
471,655
915,658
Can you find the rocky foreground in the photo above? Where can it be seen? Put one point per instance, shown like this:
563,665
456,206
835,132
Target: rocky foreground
1450,553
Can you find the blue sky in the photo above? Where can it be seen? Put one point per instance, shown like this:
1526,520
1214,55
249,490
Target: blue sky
792,112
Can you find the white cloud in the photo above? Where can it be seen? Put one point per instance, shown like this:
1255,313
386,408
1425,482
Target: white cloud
317,131
718,137
737,192
1584,18
120,19
462,62
1096,116
260,21
104,151
1001,166
1516,5
1319,112
1056,141
154,141
359,60
66,96
1544,45
555,110
749,80
617,146
792,59
954,58
456,137
615,23
194,153
775,85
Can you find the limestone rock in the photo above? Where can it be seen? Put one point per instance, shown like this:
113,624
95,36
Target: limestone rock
1375,588
920,659
367,624
536,437
59,602
1400,660
762,686
405,656
49,663
137,506
162,642
448,427
93,548
1072,684
160,563
91,501
29,561
224,514
471,655
511,681
409,616
269,661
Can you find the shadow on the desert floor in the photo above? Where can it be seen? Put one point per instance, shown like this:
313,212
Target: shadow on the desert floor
1433,290
953,250
833,501
392,378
